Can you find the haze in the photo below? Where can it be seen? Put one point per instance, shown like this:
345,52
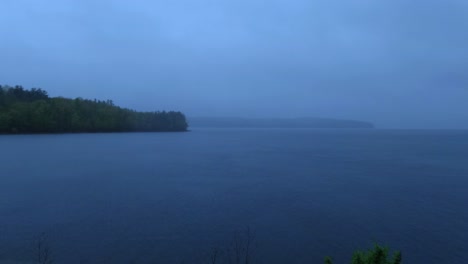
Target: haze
399,63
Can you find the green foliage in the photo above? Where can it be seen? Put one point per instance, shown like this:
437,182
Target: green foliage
328,260
33,111
397,258
377,255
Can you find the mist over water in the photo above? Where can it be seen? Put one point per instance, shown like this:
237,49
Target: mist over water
397,64
306,193
267,66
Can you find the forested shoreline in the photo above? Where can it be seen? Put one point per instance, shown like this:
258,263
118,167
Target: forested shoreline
32,111
307,122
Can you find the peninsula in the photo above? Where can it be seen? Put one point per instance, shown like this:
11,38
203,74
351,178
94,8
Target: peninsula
33,111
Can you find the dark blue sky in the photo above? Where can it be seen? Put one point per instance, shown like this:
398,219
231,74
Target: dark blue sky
397,63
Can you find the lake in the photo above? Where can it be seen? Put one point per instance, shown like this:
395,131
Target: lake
172,197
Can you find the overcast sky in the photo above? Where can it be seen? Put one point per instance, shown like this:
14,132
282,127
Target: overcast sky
398,63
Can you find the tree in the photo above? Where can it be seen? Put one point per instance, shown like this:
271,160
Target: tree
33,111
328,260
2,97
377,255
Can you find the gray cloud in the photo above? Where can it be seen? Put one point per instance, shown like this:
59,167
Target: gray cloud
397,63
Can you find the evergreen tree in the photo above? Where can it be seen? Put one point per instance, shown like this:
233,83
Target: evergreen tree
33,111
377,255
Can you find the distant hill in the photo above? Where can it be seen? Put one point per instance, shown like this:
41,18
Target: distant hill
234,122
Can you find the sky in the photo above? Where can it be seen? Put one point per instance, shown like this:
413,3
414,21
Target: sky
397,63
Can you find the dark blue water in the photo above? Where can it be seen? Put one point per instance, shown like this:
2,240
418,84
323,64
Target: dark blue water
171,197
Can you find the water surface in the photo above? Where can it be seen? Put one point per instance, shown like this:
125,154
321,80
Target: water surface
171,197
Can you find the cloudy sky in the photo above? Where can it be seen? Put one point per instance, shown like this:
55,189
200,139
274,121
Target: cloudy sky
398,63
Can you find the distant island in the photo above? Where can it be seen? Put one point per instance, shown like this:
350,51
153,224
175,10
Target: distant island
33,111
234,122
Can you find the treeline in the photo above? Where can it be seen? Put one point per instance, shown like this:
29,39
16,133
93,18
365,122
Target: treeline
33,111
377,255
308,122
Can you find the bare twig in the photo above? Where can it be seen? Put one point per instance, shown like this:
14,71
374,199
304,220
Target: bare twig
214,255
43,254
241,250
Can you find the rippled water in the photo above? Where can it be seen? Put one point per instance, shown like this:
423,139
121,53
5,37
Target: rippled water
171,197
